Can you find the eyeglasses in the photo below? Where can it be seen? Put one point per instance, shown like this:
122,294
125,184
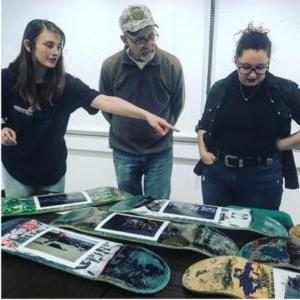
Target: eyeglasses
246,69
142,41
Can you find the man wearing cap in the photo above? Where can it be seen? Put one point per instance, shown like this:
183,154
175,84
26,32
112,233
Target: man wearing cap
152,79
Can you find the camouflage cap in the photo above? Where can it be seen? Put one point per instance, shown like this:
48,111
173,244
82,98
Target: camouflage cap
136,17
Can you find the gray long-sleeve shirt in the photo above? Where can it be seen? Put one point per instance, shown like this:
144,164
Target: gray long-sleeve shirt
158,88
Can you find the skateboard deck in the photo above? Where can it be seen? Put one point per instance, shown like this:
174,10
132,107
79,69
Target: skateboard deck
60,202
276,251
168,234
294,234
237,277
215,216
132,268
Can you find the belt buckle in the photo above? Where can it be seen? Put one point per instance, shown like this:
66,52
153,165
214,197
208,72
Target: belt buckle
228,164
269,161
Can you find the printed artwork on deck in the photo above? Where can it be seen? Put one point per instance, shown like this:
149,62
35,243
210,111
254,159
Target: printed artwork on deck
287,284
59,200
292,289
59,246
22,233
235,217
18,205
134,226
190,210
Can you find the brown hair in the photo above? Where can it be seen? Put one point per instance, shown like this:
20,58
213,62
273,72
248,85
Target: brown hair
54,78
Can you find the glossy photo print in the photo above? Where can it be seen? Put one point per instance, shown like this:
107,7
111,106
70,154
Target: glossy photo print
133,226
61,200
60,246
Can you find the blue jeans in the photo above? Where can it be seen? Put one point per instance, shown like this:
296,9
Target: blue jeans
14,188
259,187
155,169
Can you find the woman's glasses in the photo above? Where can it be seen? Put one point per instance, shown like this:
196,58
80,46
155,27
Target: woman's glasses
246,69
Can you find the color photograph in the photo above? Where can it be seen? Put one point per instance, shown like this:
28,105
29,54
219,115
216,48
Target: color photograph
61,200
190,211
133,226
60,246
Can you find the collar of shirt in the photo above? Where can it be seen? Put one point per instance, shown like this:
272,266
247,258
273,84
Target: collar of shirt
155,61
140,64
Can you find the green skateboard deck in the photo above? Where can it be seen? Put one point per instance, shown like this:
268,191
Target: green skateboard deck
276,251
237,277
215,216
60,202
168,234
132,268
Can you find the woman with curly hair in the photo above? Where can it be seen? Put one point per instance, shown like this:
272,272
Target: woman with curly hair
244,135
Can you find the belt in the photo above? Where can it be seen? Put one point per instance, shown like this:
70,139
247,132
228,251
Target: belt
233,161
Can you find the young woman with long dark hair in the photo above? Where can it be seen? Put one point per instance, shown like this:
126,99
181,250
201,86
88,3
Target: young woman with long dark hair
38,97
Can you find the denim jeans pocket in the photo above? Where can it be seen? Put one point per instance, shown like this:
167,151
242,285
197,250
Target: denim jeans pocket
198,169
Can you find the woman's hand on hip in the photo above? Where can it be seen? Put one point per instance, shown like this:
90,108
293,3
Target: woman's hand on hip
8,137
208,158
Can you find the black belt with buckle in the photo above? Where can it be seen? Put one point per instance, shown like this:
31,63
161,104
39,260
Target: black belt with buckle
233,161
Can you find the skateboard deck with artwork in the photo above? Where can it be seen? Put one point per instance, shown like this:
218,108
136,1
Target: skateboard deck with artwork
168,234
132,268
215,216
276,251
60,202
237,277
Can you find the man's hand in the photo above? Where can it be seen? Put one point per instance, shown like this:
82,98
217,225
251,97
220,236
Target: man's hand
160,125
8,137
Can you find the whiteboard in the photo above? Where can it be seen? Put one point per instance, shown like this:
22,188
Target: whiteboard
92,34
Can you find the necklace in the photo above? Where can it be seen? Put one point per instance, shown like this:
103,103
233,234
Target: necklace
251,95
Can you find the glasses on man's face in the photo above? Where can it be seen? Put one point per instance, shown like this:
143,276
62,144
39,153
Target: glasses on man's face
142,41
246,69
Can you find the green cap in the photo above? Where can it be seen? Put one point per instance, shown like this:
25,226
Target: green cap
136,17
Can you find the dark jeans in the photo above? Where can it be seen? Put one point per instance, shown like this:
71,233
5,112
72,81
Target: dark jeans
154,169
259,187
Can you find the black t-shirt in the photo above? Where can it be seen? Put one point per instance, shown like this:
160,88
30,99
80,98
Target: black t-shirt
39,158
246,128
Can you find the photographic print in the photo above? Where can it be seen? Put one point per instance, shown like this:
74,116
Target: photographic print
190,211
287,284
95,262
235,217
61,200
128,225
292,289
22,233
60,246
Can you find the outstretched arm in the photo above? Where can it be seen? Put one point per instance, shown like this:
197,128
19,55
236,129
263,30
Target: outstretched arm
121,107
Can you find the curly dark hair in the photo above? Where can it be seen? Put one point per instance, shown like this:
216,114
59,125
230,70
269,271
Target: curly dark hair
253,37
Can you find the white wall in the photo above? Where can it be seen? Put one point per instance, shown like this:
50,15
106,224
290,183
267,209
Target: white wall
92,34
91,28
